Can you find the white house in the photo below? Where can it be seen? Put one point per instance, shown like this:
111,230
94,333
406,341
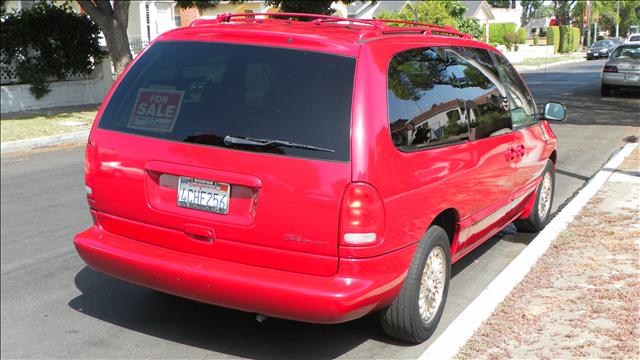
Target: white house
481,11
148,19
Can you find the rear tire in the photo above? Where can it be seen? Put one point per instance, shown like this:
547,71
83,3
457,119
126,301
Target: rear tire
605,90
415,313
541,211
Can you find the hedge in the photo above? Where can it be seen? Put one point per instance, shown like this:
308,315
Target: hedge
497,31
522,36
575,37
565,39
553,37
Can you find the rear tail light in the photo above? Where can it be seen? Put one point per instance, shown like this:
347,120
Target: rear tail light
361,216
610,69
88,170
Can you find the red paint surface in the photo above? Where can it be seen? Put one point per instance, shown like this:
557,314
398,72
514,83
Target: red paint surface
280,238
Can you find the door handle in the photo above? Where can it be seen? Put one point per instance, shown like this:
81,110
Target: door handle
200,232
510,154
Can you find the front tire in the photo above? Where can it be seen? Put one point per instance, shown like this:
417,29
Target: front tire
541,212
415,313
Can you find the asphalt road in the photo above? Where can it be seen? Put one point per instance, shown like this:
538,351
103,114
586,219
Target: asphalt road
54,306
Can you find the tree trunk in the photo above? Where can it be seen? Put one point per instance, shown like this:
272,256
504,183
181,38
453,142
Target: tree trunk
118,44
113,21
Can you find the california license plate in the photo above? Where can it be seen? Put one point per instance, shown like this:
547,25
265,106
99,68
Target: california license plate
632,77
203,195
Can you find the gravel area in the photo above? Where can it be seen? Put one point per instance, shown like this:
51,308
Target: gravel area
582,299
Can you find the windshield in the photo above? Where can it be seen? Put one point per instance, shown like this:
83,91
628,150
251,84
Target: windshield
627,52
602,43
200,92
635,38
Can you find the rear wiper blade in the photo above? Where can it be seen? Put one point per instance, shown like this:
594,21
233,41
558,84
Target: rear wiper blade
234,140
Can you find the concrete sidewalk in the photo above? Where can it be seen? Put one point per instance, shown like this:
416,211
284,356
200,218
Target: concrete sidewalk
582,298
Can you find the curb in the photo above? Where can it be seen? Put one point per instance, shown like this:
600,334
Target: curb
28,144
535,67
447,345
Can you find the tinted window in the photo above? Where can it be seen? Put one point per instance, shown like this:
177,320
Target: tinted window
441,95
201,92
627,51
634,38
602,43
522,106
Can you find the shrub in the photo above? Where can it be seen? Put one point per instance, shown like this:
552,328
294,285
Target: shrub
565,39
553,37
510,39
497,31
522,36
536,40
575,37
471,26
48,41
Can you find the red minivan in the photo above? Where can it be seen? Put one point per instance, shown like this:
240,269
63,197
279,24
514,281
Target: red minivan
313,170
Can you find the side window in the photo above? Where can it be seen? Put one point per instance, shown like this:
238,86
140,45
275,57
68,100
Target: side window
442,95
523,108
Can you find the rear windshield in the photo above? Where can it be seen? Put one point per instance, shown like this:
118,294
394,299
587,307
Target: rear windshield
213,93
627,52
602,43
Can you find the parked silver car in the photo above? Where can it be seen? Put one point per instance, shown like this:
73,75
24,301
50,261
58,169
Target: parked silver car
622,70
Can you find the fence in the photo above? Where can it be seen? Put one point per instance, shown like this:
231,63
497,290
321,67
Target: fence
9,74
82,90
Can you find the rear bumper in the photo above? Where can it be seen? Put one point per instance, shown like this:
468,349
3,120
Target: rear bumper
618,79
360,286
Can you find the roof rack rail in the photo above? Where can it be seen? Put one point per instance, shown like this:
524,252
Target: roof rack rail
378,24
317,18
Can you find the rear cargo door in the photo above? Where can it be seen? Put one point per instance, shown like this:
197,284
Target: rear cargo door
228,151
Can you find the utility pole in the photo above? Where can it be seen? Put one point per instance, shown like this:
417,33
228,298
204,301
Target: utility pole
617,18
588,23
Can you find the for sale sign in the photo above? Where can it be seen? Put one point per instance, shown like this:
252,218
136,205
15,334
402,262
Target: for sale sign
156,110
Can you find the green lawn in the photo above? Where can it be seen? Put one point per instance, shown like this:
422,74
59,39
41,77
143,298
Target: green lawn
550,59
44,125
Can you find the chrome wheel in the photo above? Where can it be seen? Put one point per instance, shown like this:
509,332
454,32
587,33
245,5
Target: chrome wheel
432,284
544,202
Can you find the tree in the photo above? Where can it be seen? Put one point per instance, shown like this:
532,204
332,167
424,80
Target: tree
506,4
112,20
529,8
563,11
444,13
70,44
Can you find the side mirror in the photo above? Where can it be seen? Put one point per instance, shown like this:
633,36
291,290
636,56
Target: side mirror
554,111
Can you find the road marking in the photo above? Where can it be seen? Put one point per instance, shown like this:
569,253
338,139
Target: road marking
447,345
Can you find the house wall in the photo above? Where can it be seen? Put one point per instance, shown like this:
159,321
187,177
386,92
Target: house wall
507,16
254,6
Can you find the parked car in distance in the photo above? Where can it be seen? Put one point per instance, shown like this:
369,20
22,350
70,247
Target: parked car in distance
616,41
317,171
600,49
622,70
633,39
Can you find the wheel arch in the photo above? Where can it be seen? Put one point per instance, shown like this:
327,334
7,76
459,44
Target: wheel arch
448,220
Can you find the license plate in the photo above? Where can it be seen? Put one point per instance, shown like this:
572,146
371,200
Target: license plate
203,195
632,77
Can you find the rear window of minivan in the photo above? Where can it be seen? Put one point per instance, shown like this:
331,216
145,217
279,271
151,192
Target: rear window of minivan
202,93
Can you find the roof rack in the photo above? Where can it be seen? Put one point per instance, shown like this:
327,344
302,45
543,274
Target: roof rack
380,25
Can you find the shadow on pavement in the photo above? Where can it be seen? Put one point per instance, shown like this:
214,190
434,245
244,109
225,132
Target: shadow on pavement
214,328
234,332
